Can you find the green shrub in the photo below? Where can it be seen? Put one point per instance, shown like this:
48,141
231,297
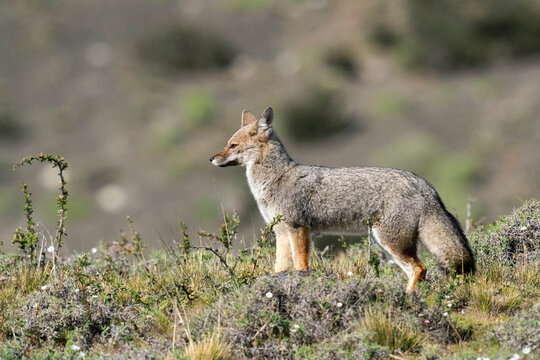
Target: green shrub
198,106
448,34
390,104
10,127
316,115
249,5
511,238
522,331
27,238
281,312
186,48
383,35
164,134
342,60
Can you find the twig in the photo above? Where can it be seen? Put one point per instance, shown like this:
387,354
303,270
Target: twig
369,250
215,252
455,330
56,161
260,330
225,222
41,247
468,219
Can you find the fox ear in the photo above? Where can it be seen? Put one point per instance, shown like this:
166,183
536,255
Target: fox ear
248,118
265,122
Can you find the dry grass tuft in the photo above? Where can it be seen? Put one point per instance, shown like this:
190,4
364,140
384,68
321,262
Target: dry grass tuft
213,347
491,292
386,330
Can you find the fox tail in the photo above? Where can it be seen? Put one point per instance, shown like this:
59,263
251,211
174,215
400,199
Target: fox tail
444,238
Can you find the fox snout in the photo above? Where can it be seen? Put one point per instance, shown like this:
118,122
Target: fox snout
214,159
223,161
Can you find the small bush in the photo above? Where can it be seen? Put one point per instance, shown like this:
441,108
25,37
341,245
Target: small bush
249,5
164,134
318,114
186,48
447,34
198,106
522,331
59,311
390,104
343,61
10,128
281,312
511,238
383,35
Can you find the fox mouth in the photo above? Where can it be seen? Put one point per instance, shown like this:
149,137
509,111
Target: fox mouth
229,163
216,162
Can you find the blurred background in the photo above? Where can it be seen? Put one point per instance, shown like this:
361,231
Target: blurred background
137,94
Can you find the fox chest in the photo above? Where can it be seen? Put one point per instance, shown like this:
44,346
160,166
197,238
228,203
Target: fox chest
262,197
270,199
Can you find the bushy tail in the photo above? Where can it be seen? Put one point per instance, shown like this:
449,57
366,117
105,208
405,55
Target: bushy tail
443,236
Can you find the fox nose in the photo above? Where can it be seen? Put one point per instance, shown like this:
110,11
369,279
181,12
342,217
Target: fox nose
212,158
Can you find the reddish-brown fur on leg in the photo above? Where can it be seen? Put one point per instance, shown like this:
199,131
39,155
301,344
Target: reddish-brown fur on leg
419,273
299,238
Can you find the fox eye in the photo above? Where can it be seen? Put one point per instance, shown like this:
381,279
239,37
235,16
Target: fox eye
232,146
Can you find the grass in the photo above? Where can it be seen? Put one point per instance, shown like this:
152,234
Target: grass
386,331
178,304
212,302
212,347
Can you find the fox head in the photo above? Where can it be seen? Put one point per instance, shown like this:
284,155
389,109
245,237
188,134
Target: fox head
247,143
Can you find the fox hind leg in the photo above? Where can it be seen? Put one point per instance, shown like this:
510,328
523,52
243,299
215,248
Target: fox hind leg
403,253
419,273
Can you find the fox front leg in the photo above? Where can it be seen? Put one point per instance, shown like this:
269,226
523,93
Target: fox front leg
284,258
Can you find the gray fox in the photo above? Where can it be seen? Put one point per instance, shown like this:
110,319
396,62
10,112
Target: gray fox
402,208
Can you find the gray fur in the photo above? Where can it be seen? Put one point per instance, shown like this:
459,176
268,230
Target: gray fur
404,207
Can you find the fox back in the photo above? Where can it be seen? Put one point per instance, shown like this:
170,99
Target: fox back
402,207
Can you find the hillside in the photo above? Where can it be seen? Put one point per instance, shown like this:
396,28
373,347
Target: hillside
136,95
183,302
